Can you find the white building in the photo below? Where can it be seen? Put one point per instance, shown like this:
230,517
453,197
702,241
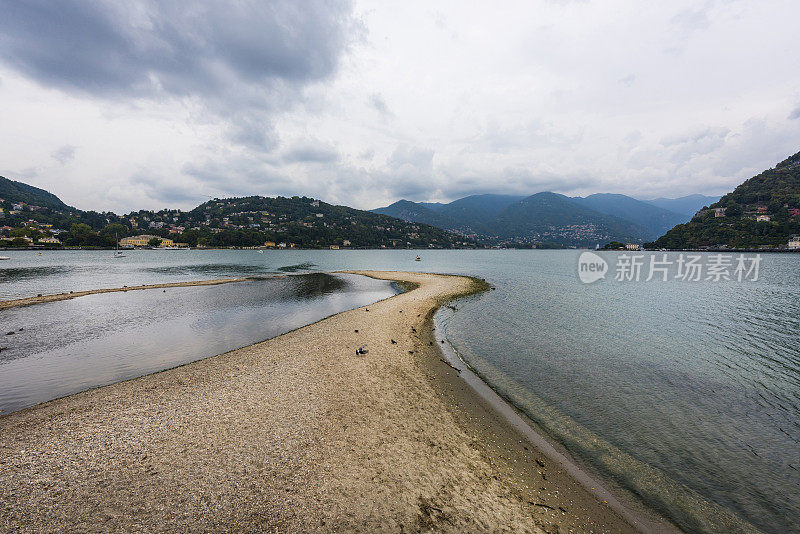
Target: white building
794,242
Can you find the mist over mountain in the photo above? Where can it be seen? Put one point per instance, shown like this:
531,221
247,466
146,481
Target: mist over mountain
688,205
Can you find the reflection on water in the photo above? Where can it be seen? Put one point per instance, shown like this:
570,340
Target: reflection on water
64,347
305,266
211,269
309,286
18,274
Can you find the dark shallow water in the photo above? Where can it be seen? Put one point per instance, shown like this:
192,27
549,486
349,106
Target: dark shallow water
684,395
69,346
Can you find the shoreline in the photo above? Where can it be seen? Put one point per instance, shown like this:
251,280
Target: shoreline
41,299
633,511
295,433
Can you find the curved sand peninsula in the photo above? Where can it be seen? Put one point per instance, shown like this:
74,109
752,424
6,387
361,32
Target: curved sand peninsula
294,434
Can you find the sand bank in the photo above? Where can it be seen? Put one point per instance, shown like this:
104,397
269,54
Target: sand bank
295,434
28,301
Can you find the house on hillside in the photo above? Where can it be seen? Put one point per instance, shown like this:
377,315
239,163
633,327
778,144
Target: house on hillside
794,242
719,212
763,218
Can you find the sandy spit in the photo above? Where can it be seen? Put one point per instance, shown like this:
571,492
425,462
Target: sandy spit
28,301
294,434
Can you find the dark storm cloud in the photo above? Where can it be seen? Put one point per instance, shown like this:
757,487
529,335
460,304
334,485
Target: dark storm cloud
145,47
243,61
311,152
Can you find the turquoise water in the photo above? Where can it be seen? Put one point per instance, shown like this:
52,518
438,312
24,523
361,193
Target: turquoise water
685,394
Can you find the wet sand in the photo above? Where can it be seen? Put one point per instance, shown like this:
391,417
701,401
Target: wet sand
294,434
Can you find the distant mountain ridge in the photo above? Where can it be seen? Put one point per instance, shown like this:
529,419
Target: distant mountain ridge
546,217
652,218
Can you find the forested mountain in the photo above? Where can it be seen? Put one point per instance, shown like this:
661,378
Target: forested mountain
14,192
418,212
234,222
764,211
653,219
306,222
543,218
553,218
469,215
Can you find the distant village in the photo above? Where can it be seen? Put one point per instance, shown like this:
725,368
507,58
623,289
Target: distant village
295,223
222,224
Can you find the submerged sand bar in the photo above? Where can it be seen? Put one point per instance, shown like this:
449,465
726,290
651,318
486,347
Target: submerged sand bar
29,301
294,434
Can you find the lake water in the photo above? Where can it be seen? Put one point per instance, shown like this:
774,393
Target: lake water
684,394
64,347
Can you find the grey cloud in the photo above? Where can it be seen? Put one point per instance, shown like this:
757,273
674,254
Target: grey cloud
158,188
255,130
420,159
516,181
238,175
140,46
795,114
628,80
380,105
64,154
243,60
691,20
696,137
311,152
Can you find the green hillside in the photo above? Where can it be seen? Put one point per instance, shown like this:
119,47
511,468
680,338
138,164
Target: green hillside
554,218
764,211
30,214
11,191
251,221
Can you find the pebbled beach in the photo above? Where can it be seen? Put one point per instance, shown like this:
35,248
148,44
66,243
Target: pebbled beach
294,434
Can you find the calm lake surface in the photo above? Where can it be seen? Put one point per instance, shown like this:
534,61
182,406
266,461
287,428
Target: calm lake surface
685,394
61,348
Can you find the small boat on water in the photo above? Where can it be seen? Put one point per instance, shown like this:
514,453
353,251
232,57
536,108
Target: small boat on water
118,253
418,259
4,258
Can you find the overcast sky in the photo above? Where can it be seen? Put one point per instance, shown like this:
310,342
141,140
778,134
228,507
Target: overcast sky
150,104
